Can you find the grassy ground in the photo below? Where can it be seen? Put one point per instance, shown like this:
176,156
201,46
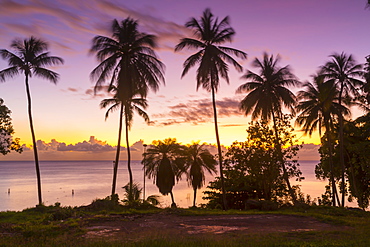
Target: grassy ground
66,226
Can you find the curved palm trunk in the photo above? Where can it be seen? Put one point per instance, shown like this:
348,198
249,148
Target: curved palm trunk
34,142
128,152
224,206
341,145
279,151
117,152
334,188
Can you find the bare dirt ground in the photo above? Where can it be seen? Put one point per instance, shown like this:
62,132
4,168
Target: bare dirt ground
164,223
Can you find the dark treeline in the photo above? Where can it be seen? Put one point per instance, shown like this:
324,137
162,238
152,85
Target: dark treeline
259,168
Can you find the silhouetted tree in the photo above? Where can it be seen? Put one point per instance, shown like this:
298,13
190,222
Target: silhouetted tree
126,109
346,72
252,169
164,162
30,57
7,143
128,61
267,95
198,159
318,109
213,59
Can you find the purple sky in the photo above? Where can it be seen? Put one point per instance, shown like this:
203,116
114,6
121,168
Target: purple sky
304,33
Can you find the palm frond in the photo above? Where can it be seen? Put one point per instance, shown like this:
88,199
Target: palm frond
46,74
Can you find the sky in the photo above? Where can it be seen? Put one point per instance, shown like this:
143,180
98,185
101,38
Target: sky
68,121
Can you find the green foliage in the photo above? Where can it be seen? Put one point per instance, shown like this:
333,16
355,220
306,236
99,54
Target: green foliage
108,203
33,228
132,198
357,146
252,170
357,160
7,143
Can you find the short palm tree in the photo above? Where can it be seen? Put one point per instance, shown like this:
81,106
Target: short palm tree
126,110
213,59
164,162
128,62
318,107
346,72
267,95
30,58
198,160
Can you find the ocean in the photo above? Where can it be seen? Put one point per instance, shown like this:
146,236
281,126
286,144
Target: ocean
90,180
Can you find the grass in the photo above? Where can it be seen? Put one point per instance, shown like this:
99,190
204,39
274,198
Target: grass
66,226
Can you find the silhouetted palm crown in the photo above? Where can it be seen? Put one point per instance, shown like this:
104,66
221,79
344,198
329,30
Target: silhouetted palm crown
163,162
267,90
127,60
211,57
30,57
130,105
346,73
199,160
318,103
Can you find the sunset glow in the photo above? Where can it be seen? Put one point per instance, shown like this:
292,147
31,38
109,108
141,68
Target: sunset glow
304,33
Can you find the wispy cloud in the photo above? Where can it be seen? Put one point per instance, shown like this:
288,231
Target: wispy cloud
74,18
197,111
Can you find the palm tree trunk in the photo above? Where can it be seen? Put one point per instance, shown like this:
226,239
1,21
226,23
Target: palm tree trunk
173,200
341,146
117,152
128,151
34,142
279,151
195,196
334,188
224,206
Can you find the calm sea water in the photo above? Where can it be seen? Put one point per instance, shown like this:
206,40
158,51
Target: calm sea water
93,179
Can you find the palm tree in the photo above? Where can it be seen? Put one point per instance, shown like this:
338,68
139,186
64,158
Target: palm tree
346,72
30,57
163,162
267,94
318,107
126,108
128,61
198,159
212,58
366,87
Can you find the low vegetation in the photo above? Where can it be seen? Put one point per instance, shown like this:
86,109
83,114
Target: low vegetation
70,226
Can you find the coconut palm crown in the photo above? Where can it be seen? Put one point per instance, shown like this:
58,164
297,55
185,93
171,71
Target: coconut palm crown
268,90
127,60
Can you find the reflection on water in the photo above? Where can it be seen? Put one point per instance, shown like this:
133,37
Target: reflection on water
92,179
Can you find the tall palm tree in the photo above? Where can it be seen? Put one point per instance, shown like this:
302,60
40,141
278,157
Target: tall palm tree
126,109
164,162
30,57
267,95
198,159
318,107
213,59
366,87
128,62
346,72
